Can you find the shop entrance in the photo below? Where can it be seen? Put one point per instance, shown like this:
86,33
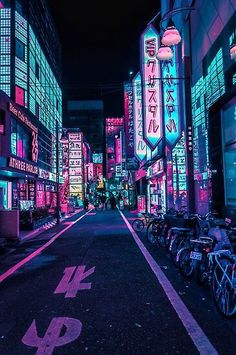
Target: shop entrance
156,194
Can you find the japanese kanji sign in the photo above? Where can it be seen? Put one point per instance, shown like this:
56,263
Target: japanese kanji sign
131,163
151,83
140,147
171,100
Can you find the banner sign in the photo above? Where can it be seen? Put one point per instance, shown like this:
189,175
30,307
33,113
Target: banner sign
131,161
171,100
140,147
75,164
151,83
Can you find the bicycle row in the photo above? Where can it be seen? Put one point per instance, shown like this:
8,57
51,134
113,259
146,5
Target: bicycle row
201,247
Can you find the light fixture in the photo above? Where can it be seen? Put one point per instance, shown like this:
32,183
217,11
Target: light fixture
233,51
164,53
171,35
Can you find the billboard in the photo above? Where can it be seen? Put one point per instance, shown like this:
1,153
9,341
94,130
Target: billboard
151,84
140,147
75,141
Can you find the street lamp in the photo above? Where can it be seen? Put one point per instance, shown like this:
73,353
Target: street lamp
171,36
164,53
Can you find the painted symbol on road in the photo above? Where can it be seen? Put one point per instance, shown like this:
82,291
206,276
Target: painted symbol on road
71,283
54,335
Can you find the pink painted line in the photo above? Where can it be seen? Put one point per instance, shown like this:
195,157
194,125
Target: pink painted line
37,251
193,329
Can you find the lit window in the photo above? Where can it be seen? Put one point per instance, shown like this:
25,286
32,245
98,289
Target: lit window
19,95
20,50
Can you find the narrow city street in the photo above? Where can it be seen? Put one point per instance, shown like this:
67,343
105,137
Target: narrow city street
93,286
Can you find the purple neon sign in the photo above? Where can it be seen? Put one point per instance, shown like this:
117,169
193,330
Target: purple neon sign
140,147
152,114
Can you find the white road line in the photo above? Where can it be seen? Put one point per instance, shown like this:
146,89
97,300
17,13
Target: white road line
16,267
197,335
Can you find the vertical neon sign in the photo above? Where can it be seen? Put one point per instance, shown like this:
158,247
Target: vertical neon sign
151,87
140,147
171,100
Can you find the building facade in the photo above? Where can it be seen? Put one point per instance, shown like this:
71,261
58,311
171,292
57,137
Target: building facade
214,105
30,103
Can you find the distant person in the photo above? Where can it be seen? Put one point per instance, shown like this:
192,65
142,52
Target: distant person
86,203
113,202
103,201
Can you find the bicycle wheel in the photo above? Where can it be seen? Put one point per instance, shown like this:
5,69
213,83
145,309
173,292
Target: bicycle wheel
152,233
224,287
162,234
186,266
176,244
138,225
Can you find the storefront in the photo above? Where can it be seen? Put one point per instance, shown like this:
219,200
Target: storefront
156,186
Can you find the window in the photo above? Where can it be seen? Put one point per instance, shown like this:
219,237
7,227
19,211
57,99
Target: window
19,96
37,71
37,109
229,151
20,50
20,140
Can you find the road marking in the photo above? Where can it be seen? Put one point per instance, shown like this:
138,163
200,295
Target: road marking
71,283
196,333
16,267
53,337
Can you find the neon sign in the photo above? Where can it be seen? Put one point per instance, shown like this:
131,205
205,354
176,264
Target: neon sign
140,147
75,164
23,166
151,87
171,100
129,122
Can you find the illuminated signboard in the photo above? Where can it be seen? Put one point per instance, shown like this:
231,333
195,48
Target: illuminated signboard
23,166
141,203
75,164
140,147
118,150
131,161
171,99
97,158
129,121
23,118
152,113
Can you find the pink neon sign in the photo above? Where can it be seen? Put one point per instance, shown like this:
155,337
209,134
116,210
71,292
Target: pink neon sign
140,147
151,87
118,150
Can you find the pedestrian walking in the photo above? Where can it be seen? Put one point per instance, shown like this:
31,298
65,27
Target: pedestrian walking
86,203
103,200
113,202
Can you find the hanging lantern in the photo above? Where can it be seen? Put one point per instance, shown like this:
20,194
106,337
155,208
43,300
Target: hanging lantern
233,51
164,53
171,36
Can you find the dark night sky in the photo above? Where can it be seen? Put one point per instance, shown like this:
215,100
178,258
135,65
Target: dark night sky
100,44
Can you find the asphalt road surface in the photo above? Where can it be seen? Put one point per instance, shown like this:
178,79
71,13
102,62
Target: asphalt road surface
93,286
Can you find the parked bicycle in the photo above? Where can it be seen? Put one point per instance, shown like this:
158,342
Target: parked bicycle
144,220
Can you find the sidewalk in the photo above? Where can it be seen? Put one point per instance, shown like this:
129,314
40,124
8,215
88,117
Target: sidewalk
26,235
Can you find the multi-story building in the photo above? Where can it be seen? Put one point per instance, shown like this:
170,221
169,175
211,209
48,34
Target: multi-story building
31,103
88,115
213,33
